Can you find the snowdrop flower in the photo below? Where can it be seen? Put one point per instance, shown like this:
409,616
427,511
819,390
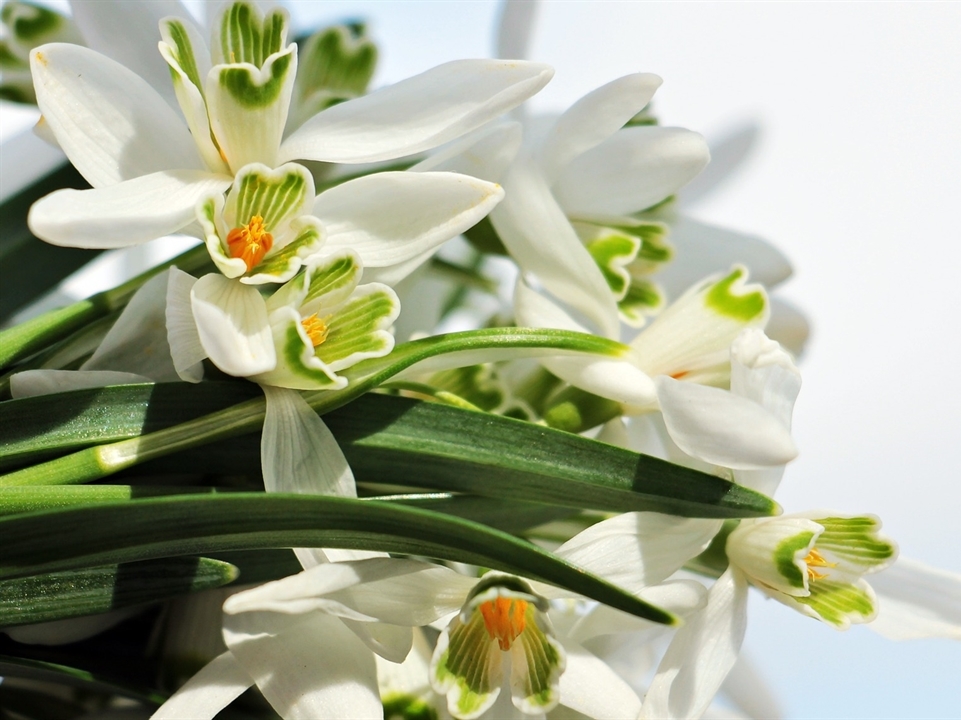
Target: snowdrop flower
275,633
673,361
149,169
814,562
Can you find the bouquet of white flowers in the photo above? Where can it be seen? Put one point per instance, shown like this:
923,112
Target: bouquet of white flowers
444,409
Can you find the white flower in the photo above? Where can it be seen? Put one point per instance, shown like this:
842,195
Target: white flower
289,637
149,169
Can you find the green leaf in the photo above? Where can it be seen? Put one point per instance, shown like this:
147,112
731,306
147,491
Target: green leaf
88,591
154,528
391,440
37,333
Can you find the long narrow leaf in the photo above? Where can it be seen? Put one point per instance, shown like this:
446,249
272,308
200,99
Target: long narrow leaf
88,591
48,672
166,527
392,440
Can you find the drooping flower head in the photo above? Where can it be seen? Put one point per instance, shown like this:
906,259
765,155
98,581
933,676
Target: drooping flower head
815,562
502,616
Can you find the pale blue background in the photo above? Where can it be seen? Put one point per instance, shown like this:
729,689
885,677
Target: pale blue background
857,177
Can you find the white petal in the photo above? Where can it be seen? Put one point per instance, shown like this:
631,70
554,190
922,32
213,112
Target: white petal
727,157
632,170
232,324
111,124
589,686
617,379
297,451
593,119
186,350
137,342
514,28
539,237
46,382
416,114
391,217
485,153
722,428
218,684
701,654
124,214
702,249
310,668
917,601
634,550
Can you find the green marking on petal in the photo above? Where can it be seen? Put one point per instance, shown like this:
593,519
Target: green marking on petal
856,540
287,260
293,356
241,84
643,298
545,662
469,668
333,280
183,53
613,252
357,329
785,557
245,37
839,604
337,63
29,23
277,196
407,707
745,307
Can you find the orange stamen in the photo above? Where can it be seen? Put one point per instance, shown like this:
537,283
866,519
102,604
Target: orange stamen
250,243
505,619
316,329
679,374
815,559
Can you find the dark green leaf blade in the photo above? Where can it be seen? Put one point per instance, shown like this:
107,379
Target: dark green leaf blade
93,590
164,527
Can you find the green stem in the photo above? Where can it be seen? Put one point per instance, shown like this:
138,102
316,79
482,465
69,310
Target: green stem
37,333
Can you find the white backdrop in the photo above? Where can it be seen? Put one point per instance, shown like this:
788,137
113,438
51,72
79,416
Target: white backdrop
856,176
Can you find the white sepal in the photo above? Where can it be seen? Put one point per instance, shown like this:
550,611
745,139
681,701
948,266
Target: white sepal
390,217
638,549
30,383
917,601
630,171
111,124
701,654
127,213
308,668
219,683
722,428
186,350
298,453
416,114
593,119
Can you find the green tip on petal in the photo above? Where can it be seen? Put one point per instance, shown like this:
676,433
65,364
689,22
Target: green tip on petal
613,252
839,604
856,541
786,558
732,298
337,61
181,52
32,24
243,85
247,37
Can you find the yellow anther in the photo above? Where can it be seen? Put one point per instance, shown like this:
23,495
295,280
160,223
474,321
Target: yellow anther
815,559
505,619
250,243
316,329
